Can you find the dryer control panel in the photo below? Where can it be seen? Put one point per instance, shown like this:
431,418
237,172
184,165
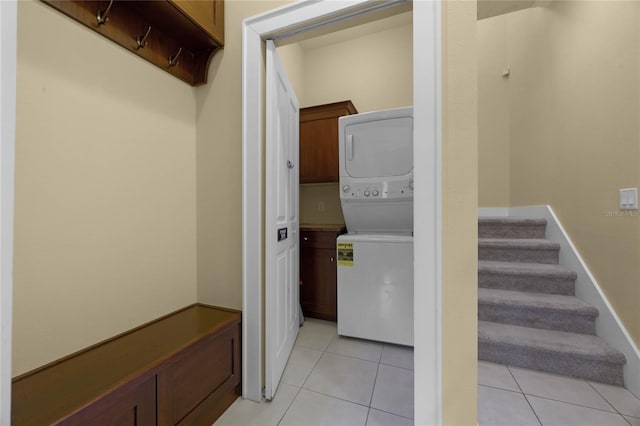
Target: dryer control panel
380,190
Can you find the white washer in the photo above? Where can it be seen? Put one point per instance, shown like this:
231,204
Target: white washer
375,257
375,289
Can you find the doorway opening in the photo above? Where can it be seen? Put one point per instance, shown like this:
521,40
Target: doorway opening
291,21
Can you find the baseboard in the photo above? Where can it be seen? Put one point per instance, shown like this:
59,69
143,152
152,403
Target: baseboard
608,324
493,211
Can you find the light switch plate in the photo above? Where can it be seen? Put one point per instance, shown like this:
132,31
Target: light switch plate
629,199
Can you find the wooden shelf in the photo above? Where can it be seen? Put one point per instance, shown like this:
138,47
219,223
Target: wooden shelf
193,28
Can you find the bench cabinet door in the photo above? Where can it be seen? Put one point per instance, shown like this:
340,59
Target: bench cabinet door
197,377
129,405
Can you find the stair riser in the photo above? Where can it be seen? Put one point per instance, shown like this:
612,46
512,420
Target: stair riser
521,255
501,230
551,362
532,284
537,318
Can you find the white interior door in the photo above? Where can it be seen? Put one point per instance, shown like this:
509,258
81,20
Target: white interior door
281,221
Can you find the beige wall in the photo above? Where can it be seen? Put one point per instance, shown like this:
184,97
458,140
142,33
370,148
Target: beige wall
493,113
459,213
373,71
320,203
219,164
573,128
354,70
105,229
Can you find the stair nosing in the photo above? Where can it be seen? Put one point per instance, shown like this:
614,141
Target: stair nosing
519,243
526,269
583,308
620,359
510,220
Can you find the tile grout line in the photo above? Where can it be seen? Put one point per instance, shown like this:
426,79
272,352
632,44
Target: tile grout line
311,371
288,407
603,397
303,383
355,403
573,404
366,420
392,414
373,389
326,350
502,389
524,395
339,399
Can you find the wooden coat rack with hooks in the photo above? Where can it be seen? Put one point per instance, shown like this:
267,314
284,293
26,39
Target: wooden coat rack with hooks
178,36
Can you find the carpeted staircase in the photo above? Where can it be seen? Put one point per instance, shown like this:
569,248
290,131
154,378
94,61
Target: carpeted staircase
528,315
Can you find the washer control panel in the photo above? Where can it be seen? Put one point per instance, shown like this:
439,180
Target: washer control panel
400,189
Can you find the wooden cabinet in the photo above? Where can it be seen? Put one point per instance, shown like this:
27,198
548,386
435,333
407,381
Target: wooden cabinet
208,15
182,369
133,404
188,379
318,271
319,141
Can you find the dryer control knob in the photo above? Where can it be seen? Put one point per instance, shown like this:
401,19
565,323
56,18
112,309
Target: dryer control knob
375,193
345,188
411,185
366,193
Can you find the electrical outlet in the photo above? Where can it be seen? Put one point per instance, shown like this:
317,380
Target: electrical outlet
629,199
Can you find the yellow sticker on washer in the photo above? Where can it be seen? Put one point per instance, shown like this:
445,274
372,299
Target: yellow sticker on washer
345,254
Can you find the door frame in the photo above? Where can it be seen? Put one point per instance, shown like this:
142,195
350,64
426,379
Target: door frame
8,65
427,193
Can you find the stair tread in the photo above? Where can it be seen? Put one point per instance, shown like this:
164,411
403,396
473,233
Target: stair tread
512,221
536,300
536,269
584,346
528,243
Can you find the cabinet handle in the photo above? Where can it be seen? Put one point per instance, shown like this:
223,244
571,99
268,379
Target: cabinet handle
331,258
305,238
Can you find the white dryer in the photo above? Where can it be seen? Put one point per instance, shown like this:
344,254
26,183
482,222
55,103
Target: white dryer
376,171
375,257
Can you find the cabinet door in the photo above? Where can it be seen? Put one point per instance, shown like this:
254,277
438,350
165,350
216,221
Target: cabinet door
129,405
319,276
319,151
208,14
198,376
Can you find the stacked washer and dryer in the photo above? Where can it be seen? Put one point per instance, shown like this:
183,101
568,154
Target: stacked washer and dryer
375,257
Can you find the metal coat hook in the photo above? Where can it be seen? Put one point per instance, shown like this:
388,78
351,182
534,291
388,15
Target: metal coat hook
173,60
102,17
141,41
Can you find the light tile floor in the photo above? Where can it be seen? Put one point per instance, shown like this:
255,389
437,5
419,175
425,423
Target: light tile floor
333,380
514,396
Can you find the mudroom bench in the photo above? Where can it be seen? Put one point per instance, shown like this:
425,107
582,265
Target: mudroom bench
183,368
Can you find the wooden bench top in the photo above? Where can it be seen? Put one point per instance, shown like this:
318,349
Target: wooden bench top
44,395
